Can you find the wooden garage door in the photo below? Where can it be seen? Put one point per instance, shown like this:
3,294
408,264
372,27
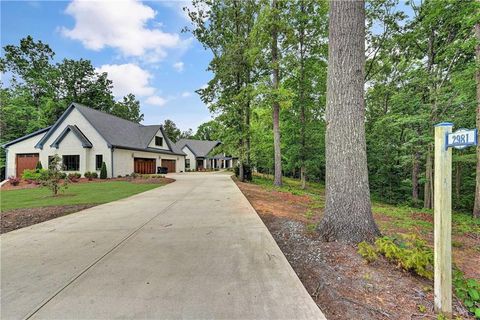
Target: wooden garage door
144,165
26,161
169,164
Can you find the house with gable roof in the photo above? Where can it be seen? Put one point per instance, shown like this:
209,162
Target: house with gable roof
84,138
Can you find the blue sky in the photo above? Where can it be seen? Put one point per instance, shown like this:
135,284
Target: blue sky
139,44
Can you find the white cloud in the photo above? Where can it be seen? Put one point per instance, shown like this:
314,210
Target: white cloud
156,101
179,66
186,94
121,25
128,78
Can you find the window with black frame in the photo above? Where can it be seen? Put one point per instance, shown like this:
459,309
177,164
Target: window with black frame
71,162
98,161
159,141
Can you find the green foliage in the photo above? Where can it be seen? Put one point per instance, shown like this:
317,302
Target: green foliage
468,291
51,177
74,176
40,90
103,171
39,165
367,251
33,175
91,175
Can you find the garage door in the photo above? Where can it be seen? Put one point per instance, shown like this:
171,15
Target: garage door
144,165
26,161
169,164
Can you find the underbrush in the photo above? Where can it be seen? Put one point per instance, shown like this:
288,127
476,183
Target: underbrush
412,254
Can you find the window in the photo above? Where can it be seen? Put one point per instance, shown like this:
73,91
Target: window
98,161
187,163
71,163
159,141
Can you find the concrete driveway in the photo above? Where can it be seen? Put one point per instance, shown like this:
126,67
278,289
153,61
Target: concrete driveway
194,249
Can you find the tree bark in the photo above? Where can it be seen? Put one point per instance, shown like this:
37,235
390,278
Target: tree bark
348,215
476,206
276,105
415,174
428,190
302,101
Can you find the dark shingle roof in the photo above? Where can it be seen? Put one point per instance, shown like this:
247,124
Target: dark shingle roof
118,132
200,148
79,134
26,137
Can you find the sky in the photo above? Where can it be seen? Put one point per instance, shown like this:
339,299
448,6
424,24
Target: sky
139,44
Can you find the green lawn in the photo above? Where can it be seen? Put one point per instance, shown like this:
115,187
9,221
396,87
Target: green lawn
77,193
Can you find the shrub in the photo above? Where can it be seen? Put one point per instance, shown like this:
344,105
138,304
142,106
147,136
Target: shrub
73,177
63,175
467,290
367,251
89,175
39,166
30,175
103,171
14,181
33,175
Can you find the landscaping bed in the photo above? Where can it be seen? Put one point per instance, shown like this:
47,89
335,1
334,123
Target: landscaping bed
340,281
21,218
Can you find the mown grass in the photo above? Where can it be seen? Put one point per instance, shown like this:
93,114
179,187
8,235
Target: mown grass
77,193
402,217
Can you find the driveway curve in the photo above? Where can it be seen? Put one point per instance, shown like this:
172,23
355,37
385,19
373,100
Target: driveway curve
193,249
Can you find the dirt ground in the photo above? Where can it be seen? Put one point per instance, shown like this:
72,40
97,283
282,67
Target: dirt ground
342,284
21,218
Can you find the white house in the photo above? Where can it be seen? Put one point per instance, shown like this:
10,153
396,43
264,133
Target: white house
85,138
199,155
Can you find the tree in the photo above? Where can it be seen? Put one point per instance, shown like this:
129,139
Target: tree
348,216
476,208
103,171
171,130
51,178
187,134
210,130
128,109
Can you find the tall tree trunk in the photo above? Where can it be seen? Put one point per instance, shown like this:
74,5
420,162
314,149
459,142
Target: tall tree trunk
302,101
348,215
476,207
276,105
428,190
415,174
458,179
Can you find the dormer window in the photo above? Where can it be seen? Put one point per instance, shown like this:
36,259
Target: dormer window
159,141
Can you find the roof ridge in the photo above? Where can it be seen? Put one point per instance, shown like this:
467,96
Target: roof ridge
76,104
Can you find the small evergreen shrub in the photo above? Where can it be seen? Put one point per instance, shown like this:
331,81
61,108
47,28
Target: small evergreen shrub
39,166
103,171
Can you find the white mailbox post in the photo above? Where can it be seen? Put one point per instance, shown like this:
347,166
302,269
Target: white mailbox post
444,141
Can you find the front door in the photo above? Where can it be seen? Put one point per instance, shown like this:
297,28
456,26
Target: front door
200,165
169,164
144,165
26,161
